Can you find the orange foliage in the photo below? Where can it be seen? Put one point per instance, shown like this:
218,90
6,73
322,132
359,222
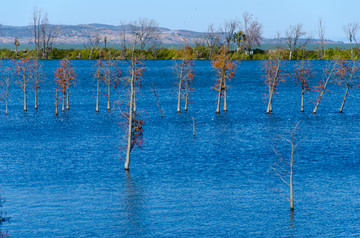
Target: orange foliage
225,68
65,76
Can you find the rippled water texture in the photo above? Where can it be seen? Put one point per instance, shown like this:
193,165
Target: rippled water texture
63,176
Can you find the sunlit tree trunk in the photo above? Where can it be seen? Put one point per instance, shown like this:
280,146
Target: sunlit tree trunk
7,99
179,91
36,98
56,102
97,95
302,100
131,111
108,101
219,95
67,99
343,102
63,103
25,106
291,176
225,104
186,95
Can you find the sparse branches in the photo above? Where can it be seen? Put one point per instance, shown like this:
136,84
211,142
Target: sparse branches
135,125
274,76
185,74
351,31
212,39
24,68
93,42
293,35
109,73
321,32
345,76
225,68
253,31
229,30
302,75
329,74
283,167
146,30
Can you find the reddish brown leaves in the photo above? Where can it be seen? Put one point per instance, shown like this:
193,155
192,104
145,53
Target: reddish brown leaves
303,73
108,72
274,75
65,76
224,66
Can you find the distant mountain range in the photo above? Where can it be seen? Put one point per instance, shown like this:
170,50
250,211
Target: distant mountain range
79,34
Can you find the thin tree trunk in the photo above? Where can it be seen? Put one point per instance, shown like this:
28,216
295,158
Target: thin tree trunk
157,101
219,96
56,102
290,55
67,99
127,161
25,106
108,101
225,93
291,178
97,95
36,98
134,101
343,102
63,103
7,100
318,101
269,107
193,127
186,95
302,100
179,91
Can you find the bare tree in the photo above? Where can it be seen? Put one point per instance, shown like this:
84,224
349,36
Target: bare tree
253,31
351,31
49,34
36,22
122,34
293,35
321,32
329,74
212,39
146,30
93,43
228,31
283,168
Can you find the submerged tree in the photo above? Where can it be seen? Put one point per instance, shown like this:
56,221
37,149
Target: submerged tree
107,72
185,74
274,76
225,68
64,77
329,75
24,68
135,124
283,168
345,74
302,75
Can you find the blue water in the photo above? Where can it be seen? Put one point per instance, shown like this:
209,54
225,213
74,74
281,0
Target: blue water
63,176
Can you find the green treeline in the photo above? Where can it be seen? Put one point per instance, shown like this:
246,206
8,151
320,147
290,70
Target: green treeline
200,52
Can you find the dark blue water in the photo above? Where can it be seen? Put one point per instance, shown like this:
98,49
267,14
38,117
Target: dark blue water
63,176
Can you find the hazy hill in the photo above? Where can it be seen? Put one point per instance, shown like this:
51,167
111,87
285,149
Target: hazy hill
78,34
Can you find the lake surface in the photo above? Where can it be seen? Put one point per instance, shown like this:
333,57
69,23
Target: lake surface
63,176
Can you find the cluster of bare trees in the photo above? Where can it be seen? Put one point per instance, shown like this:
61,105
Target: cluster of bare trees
246,34
45,35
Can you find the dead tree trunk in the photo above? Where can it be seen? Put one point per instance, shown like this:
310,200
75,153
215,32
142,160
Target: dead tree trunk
108,101
131,111
97,95
25,105
343,102
179,91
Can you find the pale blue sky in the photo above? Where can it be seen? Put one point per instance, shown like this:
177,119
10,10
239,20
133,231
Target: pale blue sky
275,15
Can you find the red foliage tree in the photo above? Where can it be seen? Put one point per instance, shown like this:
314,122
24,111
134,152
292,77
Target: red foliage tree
64,77
302,75
225,68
